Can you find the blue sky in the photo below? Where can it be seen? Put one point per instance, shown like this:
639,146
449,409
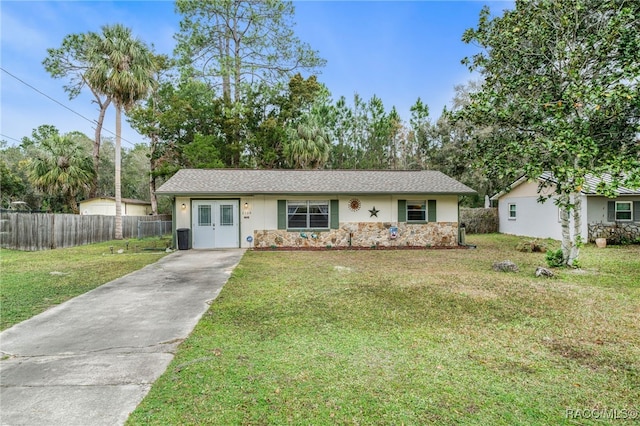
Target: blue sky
399,51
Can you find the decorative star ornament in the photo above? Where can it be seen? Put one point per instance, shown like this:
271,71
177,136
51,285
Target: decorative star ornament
374,212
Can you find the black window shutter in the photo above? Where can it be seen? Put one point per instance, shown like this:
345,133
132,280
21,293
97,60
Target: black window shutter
611,211
431,211
282,214
636,211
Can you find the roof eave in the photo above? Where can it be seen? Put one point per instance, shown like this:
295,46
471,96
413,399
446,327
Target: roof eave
240,194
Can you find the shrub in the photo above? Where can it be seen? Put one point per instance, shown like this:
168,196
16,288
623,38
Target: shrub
555,259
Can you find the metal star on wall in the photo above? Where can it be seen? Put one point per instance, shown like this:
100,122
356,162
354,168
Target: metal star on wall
374,212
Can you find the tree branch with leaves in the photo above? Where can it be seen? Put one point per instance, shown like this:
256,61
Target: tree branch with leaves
560,94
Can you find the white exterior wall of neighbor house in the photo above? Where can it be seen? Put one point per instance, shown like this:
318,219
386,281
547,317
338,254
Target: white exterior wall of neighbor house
107,207
261,212
534,219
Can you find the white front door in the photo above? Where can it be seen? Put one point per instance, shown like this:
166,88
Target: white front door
215,224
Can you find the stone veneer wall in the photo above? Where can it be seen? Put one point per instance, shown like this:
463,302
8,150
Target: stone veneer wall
363,234
615,234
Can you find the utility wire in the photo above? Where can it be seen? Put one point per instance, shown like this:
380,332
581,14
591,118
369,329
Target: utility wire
62,105
9,137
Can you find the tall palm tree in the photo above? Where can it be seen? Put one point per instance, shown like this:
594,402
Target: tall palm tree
62,165
71,60
124,69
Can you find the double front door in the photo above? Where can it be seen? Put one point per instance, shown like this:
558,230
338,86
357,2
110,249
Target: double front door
215,224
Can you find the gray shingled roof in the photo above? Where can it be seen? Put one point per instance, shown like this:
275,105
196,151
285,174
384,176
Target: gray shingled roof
592,182
248,181
589,188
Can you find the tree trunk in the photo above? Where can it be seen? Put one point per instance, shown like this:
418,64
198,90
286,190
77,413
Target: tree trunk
118,230
152,190
226,74
93,192
577,225
566,229
73,203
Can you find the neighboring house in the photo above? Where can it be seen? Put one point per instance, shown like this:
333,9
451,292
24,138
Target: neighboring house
520,213
107,206
315,208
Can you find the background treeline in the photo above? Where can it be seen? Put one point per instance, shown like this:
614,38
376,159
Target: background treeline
240,90
16,163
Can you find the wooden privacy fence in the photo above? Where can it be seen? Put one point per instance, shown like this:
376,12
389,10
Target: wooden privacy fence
43,231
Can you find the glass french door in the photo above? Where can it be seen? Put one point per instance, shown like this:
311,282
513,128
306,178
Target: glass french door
215,224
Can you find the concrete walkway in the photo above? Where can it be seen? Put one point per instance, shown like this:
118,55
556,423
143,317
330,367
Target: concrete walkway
91,360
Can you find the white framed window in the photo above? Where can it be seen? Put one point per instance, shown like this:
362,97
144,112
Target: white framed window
513,212
204,215
226,215
307,214
416,211
624,210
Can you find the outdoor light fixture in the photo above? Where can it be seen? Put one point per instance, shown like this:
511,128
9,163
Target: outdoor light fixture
184,206
246,206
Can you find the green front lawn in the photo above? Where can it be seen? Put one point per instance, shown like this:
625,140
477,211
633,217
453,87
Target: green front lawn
410,337
32,282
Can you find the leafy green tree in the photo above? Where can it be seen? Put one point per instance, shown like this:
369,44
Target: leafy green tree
234,42
135,172
72,60
560,94
451,148
107,181
420,136
202,153
146,118
239,47
122,68
18,159
62,165
340,124
12,185
272,110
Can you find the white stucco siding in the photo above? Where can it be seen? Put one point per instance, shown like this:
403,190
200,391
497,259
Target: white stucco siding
107,207
387,206
597,209
261,211
446,207
381,203
98,207
529,189
183,215
136,209
534,219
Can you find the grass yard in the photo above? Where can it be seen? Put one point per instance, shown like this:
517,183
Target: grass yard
32,282
411,337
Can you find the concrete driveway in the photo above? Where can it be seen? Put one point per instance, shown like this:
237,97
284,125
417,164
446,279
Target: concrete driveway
91,360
